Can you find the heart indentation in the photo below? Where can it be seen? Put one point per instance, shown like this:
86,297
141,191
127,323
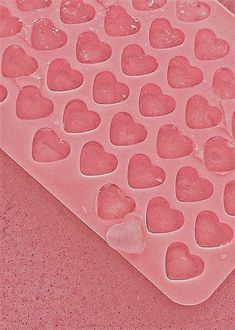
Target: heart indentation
119,23
107,90
29,5
61,77
78,119
16,63
143,174
181,264
76,11
192,10
3,93
224,83
145,5
181,74
190,187
210,232
229,198
153,102
91,50
128,236
10,25
48,146
30,104
161,218
124,131
208,47
112,204
163,35
219,155
45,36
172,144
95,161
199,114
135,63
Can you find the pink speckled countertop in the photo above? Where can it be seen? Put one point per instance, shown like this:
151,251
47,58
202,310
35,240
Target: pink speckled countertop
58,274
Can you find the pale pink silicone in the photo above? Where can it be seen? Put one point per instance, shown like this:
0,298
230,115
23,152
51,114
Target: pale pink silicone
79,192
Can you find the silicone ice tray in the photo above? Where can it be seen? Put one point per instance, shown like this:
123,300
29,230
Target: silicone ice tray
124,111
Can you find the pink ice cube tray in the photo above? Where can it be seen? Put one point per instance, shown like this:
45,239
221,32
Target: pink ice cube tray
124,110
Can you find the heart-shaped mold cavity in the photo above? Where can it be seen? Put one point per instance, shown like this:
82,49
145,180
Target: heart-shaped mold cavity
112,204
199,114
134,62
153,102
29,5
163,35
181,264
181,74
190,187
124,131
208,47
107,90
10,25
61,77
78,119
224,83
16,63
229,198
30,104
143,174
161,218
172,144
95,161
48,146
210,232
76,11
119,23
145,5
219,155
45,36
3,93
192,10
128,236
90,49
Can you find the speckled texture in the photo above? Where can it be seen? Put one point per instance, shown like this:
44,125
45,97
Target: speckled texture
230,4
58,274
